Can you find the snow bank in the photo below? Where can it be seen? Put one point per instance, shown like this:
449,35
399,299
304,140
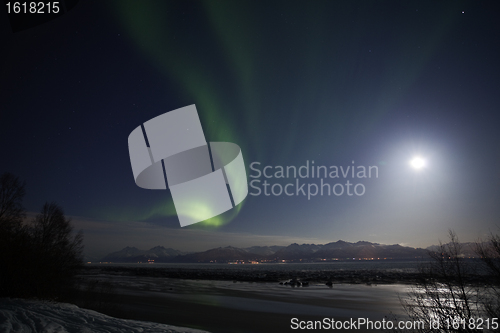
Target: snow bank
17,315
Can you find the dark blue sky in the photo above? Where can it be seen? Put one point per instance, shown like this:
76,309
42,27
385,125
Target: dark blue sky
331,82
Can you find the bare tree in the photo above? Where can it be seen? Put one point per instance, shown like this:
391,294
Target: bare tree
11,236
58,252
490,255
12,192
38,259
451,296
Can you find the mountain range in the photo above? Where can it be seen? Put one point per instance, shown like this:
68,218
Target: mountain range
133,254
339,250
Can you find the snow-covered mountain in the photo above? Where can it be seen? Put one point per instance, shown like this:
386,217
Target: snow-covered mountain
363,249
220,254
296,251
336,250
133,254
467,250
264,250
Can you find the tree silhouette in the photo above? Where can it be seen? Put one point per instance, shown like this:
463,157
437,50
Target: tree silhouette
490,255
457,294
58,253
38,259
12,212
12,191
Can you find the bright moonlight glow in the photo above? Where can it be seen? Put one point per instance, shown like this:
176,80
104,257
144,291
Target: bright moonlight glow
417,163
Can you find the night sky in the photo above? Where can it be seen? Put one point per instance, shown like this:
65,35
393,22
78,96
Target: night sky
374,82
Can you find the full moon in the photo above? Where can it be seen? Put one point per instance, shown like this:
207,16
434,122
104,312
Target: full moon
417,163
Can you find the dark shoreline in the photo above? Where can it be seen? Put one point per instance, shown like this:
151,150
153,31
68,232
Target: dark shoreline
291,277
350,276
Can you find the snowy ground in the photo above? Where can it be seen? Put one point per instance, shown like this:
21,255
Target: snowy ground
17,315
